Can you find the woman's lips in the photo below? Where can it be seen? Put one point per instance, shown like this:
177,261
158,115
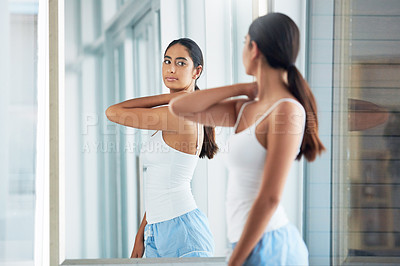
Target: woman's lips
170,79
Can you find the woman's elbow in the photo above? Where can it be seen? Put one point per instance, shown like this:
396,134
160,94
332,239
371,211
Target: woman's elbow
173,107
269,201
111,113
177,110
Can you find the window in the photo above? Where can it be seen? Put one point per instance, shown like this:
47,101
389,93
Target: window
18,134
102,159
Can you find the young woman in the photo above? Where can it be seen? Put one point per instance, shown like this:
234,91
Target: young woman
276,124
172,226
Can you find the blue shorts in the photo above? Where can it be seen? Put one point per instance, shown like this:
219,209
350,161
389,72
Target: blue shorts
283,246
187,235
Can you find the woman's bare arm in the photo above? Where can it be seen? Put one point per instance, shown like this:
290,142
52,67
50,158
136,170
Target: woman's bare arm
138,248
211,107
147,113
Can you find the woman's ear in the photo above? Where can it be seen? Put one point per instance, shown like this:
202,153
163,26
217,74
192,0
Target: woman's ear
254,51
198,71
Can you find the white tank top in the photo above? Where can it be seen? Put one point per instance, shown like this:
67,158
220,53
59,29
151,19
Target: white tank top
245,162
169,172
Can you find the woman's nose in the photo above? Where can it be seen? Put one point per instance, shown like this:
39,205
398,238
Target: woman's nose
171,69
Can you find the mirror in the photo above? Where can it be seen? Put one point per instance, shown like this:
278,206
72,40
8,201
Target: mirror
113,52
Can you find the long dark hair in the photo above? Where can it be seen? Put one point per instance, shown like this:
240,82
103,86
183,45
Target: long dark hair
209,147
277,37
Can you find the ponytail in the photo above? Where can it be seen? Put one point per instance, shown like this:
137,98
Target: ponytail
209,147
278,39
311,145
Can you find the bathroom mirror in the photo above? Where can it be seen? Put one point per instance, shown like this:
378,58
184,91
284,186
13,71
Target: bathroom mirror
113,52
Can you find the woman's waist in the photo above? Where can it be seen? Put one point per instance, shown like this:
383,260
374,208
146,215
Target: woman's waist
162,187
243,187
165,207
169,196
237,209
237,216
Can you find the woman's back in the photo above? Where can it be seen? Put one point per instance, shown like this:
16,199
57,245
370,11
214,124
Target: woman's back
245,161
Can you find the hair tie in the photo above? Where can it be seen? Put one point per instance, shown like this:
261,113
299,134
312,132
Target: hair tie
291,66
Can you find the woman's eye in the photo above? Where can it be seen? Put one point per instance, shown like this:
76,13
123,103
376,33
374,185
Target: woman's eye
181,63
166,61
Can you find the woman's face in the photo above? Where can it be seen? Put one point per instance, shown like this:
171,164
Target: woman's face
178,69
248,63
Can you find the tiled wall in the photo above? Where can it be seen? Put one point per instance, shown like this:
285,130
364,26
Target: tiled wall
318,173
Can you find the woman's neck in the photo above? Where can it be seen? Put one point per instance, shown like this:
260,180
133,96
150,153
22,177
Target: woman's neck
188,89
271,83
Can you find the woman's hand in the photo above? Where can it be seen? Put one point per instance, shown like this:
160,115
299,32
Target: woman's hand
234,262
138,248
248,89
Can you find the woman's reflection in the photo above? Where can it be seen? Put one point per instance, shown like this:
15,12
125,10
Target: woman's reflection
172,226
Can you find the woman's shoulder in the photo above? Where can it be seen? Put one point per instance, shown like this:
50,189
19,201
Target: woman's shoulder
289,110
289,106
239,104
